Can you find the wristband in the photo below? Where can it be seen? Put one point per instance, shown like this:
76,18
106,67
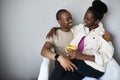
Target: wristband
56,56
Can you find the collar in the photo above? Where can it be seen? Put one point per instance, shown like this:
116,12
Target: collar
98,29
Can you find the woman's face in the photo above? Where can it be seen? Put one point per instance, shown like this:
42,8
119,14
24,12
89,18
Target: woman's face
89,20
66,20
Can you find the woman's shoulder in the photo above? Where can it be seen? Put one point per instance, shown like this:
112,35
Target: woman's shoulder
78,27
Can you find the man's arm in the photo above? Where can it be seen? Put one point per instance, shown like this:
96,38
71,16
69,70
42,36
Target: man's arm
46,51
64,62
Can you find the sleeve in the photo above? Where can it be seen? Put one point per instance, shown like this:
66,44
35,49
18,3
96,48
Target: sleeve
104,53
76,29
50,40
78,32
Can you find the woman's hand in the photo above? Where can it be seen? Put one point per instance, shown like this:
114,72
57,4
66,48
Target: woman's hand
107,36
66,64
73,53
52,32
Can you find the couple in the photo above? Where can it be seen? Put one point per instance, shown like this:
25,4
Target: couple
93,52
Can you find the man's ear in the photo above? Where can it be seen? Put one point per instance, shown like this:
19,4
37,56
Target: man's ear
59,21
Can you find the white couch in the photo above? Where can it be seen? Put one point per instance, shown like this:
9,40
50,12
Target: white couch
112,71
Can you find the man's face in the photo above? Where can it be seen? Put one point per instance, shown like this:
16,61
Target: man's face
65,20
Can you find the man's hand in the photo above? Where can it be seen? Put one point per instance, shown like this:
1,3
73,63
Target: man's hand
107,36
66,64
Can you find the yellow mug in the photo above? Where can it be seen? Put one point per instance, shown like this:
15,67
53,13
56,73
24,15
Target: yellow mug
72,47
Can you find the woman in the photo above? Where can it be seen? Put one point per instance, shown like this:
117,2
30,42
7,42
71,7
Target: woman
93,52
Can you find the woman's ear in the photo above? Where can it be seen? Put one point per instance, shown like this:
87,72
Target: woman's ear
97,21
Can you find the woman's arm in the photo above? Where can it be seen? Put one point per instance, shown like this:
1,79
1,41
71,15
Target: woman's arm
105,52
86,57
78,55
52,32
102,55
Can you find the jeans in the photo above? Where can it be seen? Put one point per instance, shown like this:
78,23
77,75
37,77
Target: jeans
83,70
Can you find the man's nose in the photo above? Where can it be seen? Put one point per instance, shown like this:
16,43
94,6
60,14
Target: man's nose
70,20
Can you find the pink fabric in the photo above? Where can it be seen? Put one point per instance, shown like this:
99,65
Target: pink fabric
81,44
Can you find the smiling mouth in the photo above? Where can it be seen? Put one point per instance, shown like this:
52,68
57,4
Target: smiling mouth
70,24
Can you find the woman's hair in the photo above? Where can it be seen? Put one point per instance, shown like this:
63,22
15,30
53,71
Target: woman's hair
59,12
98,9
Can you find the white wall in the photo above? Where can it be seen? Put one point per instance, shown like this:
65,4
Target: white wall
25,23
